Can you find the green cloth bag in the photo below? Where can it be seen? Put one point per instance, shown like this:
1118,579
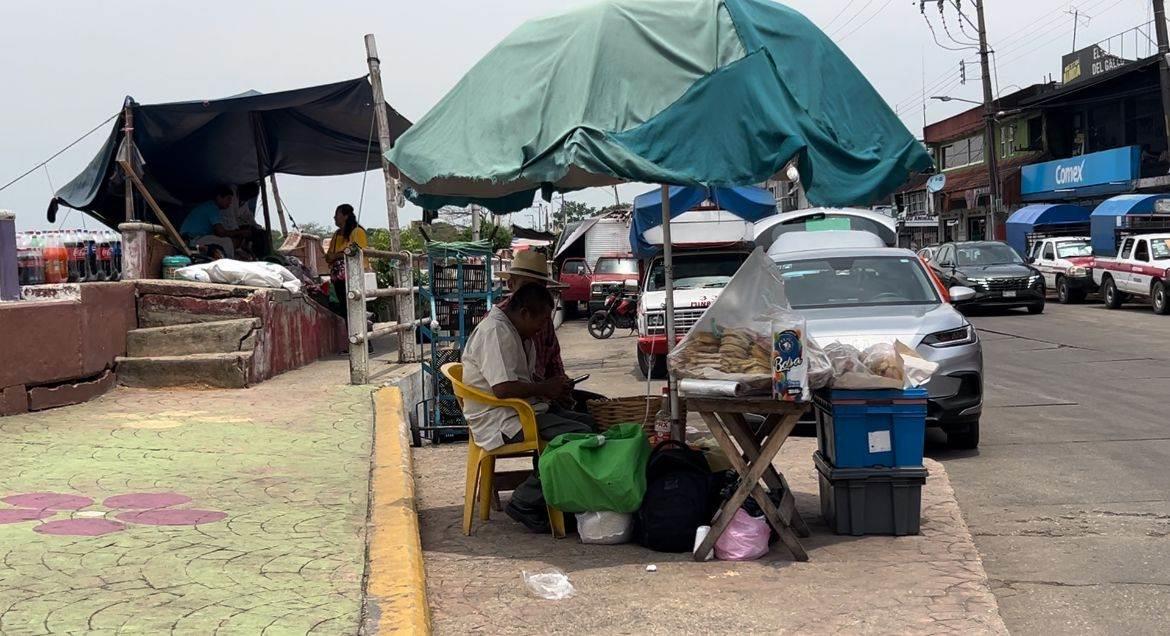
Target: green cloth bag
587,472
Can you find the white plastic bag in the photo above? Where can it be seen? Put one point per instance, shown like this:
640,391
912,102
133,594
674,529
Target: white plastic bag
605,527
551,584
745,539
231,272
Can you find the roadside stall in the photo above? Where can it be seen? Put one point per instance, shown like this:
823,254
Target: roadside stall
1045,220
161,161
698,93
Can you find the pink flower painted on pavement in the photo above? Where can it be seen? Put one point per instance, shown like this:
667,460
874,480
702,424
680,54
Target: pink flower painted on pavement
48,501
141,508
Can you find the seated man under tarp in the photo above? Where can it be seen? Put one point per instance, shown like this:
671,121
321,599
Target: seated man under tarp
216,222
499,359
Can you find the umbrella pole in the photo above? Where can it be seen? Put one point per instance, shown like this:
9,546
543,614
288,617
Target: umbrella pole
677,428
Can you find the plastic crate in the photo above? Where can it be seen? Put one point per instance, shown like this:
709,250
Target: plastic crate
859,429
447,314
860,501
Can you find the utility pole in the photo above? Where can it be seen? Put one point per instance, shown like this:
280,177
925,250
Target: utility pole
1163,63
989,120
475,222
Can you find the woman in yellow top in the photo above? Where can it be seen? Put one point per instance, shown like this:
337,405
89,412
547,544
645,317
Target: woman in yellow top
348,232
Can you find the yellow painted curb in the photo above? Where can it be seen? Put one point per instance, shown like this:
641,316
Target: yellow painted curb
396,591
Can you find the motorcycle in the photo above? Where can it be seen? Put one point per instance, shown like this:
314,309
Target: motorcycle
620,310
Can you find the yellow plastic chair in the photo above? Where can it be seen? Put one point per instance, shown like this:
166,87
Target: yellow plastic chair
481,464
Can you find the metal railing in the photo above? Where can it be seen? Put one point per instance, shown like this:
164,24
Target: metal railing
356,298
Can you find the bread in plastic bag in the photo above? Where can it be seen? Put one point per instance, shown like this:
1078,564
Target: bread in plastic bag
732,340
883,360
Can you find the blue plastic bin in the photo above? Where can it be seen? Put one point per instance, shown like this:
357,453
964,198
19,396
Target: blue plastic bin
862,429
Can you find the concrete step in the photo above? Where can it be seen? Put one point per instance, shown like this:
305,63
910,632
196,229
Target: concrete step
211,370
220,336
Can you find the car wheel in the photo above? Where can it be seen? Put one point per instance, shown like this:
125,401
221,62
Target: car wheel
967,439
1158,298
1063,293
651,366
1038,308
1110,294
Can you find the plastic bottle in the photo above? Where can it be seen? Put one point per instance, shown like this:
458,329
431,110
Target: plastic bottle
116,256
23,263
91,264
72,241
36,260
56,260
106,255
101,257
662,420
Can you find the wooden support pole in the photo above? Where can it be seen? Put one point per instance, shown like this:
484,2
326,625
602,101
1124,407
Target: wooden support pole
264,204
162,216
402,275
128,140
279,205
261,168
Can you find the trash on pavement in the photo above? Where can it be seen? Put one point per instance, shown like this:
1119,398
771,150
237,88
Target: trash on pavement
551,584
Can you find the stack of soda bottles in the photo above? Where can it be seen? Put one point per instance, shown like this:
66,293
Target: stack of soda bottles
68,256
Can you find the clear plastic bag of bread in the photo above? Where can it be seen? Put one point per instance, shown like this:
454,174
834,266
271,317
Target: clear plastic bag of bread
733,338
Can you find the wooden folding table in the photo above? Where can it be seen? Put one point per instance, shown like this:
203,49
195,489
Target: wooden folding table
752,460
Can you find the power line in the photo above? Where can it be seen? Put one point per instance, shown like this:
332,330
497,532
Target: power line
867,20
841,27
59,152
839,14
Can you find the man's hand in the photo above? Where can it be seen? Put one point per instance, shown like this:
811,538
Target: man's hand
557,388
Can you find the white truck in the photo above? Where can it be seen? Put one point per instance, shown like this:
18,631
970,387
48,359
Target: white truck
1138,271
708,248
1065,262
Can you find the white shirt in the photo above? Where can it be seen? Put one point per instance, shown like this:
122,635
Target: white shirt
495,354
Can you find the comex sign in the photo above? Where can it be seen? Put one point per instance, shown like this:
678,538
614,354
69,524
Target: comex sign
1070,175
1104,172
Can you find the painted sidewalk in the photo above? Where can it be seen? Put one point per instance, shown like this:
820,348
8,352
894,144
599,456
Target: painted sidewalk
254,523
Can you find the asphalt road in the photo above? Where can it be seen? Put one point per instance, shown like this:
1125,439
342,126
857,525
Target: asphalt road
1067,495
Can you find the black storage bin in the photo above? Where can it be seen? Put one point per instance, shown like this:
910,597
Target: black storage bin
860,501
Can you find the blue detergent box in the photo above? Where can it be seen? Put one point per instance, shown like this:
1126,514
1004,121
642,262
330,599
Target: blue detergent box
865,429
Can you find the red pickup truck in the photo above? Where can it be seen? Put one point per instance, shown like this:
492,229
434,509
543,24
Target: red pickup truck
576,277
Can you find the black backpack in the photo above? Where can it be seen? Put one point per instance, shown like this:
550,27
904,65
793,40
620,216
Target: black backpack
677,501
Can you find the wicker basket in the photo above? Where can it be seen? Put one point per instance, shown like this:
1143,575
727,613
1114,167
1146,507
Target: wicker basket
637,409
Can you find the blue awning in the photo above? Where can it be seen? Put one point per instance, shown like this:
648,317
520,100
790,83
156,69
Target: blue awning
747,202
1105,218
1025,221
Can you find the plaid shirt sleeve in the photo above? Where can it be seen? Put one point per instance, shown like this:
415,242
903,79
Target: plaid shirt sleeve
548,354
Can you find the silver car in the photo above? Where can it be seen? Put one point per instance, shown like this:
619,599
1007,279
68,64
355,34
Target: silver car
861,296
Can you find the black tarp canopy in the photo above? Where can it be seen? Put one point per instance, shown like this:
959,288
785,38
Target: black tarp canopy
187,149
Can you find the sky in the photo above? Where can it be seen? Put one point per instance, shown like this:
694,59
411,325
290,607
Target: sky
66,66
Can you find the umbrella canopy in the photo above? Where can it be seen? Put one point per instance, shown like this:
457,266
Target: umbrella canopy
687,92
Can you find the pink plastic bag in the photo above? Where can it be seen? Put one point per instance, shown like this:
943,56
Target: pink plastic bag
746,538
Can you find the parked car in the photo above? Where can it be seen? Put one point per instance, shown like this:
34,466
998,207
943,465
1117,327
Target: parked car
999,276
609,271
576,278
927,253
861,296
1065,263
1138,271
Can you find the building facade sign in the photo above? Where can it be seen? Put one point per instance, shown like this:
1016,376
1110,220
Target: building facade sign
1114,169
1088,63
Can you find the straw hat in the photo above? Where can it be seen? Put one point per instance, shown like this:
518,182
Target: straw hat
529,264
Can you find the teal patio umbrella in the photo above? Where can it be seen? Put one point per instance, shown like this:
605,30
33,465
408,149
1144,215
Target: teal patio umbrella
685,92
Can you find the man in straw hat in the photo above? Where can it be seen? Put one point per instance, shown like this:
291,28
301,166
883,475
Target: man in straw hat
500,359
531,266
